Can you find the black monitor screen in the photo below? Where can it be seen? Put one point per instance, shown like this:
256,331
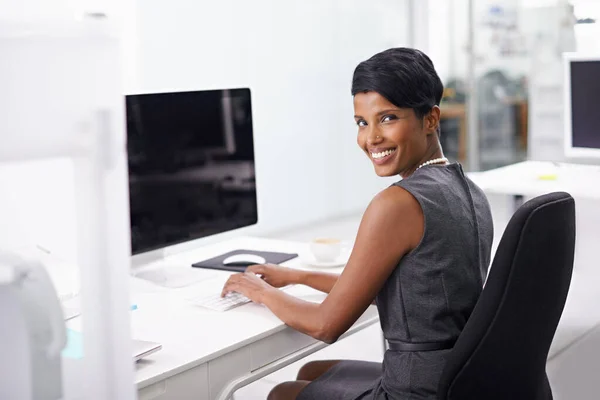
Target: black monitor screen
585,94
191,166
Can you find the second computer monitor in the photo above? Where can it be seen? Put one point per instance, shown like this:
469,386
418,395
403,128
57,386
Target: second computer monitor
191,166
582,119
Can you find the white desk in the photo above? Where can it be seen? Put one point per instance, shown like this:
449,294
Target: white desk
206,354
581,313
527,179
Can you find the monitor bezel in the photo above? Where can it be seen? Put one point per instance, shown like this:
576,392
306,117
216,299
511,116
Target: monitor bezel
570,150
156,253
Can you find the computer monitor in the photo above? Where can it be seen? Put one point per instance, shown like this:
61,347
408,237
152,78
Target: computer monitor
191,166
582,93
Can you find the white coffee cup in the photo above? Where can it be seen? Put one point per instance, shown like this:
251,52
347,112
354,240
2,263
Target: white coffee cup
326,249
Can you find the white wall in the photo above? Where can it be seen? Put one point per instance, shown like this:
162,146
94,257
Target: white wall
587,34
37,206
296,56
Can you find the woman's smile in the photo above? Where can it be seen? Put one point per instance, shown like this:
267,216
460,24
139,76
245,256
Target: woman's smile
380,156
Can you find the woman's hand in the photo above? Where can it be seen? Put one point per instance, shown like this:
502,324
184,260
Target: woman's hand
275,275
247,284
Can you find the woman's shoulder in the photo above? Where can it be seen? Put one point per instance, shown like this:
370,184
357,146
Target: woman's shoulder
397,211
442,184
394,197
394,202
429,180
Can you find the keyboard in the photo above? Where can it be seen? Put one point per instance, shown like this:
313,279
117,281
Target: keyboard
217,303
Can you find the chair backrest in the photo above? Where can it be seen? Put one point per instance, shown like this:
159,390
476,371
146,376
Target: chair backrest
502,351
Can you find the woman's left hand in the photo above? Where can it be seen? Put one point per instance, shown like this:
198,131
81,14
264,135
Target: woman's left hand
248,284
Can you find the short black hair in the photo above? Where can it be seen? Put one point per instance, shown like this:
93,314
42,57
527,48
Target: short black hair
405,77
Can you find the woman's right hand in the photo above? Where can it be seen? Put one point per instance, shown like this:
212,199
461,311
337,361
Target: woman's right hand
275,275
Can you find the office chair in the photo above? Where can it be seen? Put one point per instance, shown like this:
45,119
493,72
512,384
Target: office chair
501,353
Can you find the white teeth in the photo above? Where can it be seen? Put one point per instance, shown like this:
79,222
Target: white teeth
382,154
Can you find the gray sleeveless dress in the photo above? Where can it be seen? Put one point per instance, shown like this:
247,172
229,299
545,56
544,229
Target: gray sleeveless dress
428,297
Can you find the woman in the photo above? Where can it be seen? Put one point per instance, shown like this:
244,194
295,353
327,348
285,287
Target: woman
421,252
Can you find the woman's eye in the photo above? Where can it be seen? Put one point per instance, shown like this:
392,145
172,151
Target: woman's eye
361,122
388,118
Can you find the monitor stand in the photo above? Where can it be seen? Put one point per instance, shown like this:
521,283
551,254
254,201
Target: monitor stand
172,274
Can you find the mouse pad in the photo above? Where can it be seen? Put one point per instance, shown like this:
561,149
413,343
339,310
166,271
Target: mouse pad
217,262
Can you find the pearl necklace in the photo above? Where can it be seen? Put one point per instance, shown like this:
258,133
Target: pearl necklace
434,161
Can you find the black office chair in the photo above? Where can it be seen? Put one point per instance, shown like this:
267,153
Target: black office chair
501,353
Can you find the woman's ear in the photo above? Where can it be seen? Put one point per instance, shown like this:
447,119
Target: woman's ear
432,120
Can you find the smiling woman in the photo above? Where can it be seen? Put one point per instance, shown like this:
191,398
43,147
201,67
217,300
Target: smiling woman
397,113
422,250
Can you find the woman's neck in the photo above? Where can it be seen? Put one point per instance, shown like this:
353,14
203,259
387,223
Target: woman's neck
433,152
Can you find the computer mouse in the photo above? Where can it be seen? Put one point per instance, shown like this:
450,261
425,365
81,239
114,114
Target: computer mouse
244,260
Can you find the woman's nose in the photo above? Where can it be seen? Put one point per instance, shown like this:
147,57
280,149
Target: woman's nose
373,136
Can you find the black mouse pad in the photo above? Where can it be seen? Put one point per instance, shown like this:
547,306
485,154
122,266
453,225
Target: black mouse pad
269,256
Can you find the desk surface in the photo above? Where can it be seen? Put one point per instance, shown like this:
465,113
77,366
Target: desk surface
534,178
191,335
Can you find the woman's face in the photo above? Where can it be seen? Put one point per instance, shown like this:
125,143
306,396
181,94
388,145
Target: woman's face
393,138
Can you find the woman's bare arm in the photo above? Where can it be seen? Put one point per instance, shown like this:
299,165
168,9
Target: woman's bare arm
391,227
321,281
